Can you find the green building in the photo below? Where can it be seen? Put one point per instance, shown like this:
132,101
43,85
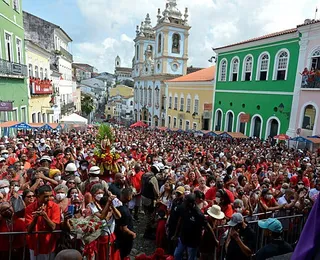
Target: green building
255,84
13,71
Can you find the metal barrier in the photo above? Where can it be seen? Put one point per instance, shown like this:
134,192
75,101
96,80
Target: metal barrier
292,227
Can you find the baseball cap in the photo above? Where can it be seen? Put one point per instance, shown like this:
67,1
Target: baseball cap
42,141
180,189
45,157
236,219
272,224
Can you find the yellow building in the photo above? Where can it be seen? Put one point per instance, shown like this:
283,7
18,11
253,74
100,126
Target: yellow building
40,85
120,90
110,111
190,100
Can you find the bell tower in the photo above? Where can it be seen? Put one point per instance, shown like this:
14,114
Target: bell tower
117,62
171,40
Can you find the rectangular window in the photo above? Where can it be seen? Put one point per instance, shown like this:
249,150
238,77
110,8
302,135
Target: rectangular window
263,75
196,106
30,70
169,121
15,115
8,47
36,72
41,73
174,122
188,105
16,6
234,76
19,51
176,103
170,103
23,114
194,126
34,118
247,76
182,104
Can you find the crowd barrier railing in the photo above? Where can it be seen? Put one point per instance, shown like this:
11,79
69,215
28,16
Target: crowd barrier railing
292,228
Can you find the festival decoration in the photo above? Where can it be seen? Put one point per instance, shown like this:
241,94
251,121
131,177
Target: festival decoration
106,157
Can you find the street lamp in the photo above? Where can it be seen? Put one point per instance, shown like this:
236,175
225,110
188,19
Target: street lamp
281,107
213,58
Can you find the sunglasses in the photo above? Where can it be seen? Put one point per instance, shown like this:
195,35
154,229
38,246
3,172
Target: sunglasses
71,182
30,196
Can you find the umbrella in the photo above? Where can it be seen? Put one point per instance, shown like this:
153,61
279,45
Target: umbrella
282,137
138,124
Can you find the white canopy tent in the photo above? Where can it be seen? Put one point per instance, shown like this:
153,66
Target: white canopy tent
74,119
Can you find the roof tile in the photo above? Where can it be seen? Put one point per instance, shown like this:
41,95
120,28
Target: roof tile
200,75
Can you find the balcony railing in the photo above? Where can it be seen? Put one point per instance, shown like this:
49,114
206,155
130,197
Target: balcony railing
40,87
311,81
67,107
66,54
11,69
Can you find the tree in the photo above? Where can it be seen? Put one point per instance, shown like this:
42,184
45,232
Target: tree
87,105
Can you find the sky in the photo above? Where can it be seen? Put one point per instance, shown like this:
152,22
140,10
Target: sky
103,29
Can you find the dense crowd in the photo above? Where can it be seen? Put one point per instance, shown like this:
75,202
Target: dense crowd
187,186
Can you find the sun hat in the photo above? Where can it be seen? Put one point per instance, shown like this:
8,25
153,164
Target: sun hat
45,157
215,212
272,224
180,189
236,219
53,172
95,170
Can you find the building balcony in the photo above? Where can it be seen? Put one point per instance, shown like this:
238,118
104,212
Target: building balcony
69,107
310,82
66,54
12,69
40,87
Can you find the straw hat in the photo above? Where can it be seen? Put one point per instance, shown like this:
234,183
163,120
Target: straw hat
215,212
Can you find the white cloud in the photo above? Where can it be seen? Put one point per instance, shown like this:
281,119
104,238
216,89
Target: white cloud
214,23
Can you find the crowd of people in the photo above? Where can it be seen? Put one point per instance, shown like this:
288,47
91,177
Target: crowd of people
181,187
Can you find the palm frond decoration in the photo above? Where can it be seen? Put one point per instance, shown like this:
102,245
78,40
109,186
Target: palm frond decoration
105,132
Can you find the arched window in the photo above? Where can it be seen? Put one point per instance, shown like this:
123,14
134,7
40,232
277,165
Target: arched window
36,72
181,103
282,65
170,102
229,122
145,96
223,70
30,71
159,43
241,125
234,69
180,123
218,120
41,76
263,67
174,122
176,43
169,121
315,62
150,96
157,101
176,102
196,105
141,96
256,126
188,104
247,68
187,125
309,117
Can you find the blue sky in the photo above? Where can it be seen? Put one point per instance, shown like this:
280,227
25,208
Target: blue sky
103,29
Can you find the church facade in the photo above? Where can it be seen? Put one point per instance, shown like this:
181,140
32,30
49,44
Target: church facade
161,53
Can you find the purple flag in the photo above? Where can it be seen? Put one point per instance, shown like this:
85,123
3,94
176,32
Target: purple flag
308,245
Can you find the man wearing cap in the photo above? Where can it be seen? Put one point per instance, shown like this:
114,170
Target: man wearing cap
42,146
240,240
277,246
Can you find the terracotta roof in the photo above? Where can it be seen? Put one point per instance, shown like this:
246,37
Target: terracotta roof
193,69
124,69
201,75
313,21
261,38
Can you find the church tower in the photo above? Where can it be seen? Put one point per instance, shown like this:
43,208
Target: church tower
117,62
172,33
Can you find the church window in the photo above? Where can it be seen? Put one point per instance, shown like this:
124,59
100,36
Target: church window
137,52
176,43
159,43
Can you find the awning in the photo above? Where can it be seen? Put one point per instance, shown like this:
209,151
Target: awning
301,139
233,135
15,125
9,124
314,140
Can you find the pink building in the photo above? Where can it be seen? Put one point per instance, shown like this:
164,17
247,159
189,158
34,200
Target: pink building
306,99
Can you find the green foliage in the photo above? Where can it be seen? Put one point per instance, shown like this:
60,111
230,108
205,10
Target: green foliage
105,131
87,105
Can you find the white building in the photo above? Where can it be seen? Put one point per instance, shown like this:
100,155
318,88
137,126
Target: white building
161,53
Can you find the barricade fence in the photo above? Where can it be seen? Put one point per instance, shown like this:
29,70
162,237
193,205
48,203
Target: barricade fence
292,227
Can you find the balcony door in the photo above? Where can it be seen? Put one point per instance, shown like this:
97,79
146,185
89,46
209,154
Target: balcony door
8,46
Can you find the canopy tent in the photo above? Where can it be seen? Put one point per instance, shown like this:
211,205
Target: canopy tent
15,125
282,137
46,126
74,119
301,139
139,124
233,135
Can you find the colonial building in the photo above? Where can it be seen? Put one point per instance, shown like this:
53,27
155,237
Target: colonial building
13,71
190,100
306,99
121,73
255,84
55,40
161,53
40,86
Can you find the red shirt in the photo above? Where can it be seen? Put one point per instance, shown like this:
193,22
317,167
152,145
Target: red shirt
211,194
136,181
43,243
18,240
294,180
